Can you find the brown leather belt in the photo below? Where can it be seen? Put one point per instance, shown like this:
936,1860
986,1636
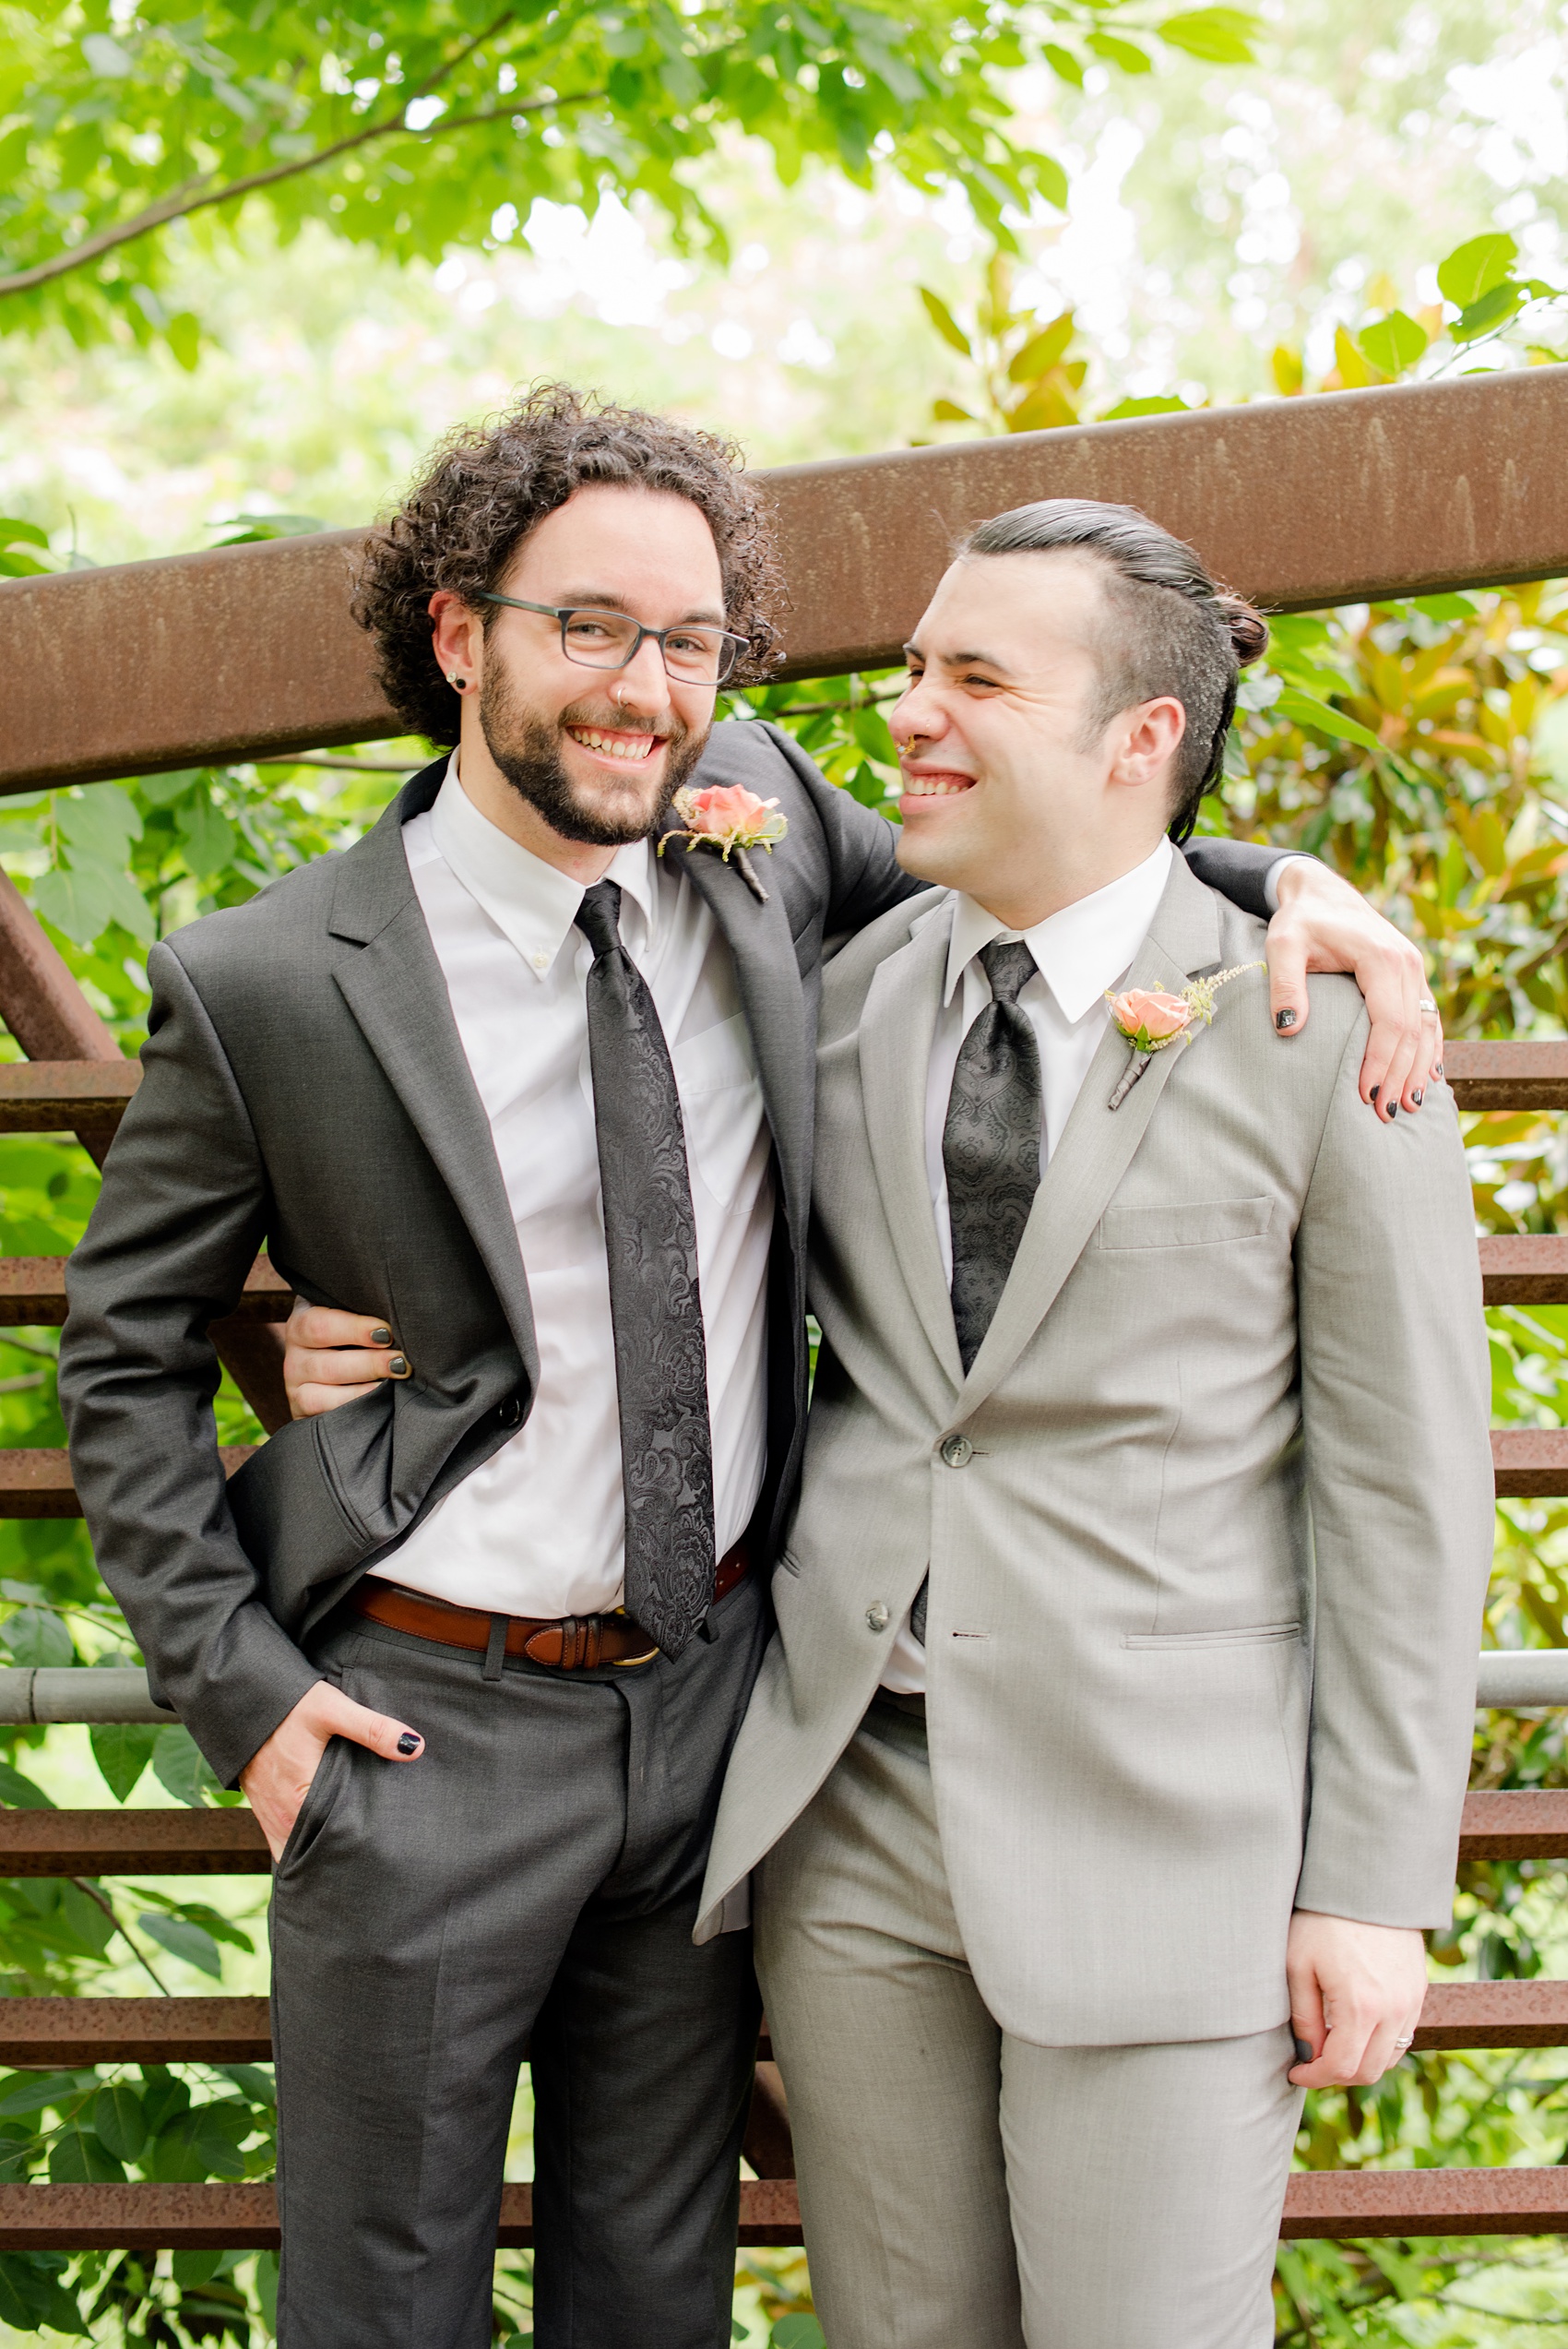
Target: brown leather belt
568,1642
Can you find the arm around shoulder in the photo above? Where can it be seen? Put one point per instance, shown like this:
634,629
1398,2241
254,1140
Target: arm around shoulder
176,1227
1395,1396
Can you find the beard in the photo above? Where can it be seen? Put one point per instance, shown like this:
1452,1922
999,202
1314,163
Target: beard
527,749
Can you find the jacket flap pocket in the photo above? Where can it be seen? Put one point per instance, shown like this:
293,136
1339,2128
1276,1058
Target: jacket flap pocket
1190,1223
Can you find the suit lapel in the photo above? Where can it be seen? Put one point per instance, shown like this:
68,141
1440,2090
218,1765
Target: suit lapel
1099,1144
396,990
772,998
897,1027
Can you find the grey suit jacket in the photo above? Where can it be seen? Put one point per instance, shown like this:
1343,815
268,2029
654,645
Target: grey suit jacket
305,1088
1206,1571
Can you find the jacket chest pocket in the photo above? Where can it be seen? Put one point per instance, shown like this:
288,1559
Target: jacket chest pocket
1190,1223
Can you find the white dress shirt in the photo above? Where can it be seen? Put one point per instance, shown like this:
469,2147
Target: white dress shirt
539,1527
1079,953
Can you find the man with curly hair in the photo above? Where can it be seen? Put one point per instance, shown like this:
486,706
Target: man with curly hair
506,1081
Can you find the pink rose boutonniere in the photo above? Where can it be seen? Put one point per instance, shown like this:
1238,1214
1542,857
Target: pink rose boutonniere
1152,1021
729,817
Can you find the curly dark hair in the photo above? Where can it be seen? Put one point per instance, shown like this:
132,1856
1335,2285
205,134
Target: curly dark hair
488,485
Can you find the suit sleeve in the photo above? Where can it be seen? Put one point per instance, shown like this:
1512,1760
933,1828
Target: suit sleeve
1238,869
1395,1397
176,1227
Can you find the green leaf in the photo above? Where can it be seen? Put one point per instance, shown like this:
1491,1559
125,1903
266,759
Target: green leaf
797,2332
1043,349
1494,310
122,1750
119,2119
1440,607
30,2295
20,1792
159,790
1305,709
206,837
76,902
192,2269
222,1928
38,2092
1221,36
179,1764
37,1636
203,2143
183,1939
1124,54
14,533
946,411
946,325
183,335
102,821
250,528
1474,268
1157,403
1393,343
79,2157
1062,63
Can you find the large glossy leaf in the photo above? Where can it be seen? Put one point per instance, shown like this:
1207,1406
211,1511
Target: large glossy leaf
122,1750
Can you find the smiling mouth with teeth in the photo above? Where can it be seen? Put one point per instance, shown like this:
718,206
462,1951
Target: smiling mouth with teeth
936,786
634,750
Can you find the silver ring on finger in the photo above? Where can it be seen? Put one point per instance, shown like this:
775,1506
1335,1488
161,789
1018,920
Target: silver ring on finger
1426,1003
1401,2045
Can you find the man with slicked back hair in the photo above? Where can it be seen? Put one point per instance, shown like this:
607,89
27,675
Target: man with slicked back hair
1107,1760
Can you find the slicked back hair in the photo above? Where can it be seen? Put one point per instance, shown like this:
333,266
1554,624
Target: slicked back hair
1169,627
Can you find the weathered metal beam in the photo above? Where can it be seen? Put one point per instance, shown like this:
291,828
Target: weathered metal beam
1525,1268
1332,2204
1527,1824
66,1693
132,1842
63,1096
1508,1075
1301,503
1482,2014
59,2034
35,1479
32,1294
1529,1463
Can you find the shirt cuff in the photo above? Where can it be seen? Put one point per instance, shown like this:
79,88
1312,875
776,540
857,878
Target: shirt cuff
1271,878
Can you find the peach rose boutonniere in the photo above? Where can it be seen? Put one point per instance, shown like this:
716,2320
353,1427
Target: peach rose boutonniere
729,817
1152,1021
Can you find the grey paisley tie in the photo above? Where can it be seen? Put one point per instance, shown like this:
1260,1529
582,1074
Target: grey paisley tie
991,1150
651,1242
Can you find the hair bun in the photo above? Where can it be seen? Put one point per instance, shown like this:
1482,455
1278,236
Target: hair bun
1249,629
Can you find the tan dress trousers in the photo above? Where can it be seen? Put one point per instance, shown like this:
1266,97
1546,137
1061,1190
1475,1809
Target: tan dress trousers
965,2190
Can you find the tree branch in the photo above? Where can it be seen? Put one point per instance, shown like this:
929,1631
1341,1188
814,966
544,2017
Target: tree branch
198,195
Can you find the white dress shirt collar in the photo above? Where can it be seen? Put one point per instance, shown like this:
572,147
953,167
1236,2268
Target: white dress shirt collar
1080,952
533,903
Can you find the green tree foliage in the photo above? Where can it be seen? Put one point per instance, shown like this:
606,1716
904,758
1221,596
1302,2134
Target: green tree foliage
412,123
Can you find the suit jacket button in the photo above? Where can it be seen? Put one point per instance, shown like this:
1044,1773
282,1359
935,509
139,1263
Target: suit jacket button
510,1412
876,1617
957,1451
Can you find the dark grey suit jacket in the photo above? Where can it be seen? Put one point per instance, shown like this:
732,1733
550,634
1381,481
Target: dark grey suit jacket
305,1088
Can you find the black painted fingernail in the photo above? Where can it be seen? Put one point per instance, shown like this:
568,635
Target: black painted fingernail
1417,1097
1303,2048
1392,1111
407,1743
381,1336
398,1366
1438,1071
1372,1097
1286,1019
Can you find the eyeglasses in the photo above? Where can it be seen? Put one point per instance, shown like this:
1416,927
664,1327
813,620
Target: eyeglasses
693,654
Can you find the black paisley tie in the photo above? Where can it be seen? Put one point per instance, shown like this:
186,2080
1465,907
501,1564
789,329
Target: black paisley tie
651,1241
991,1150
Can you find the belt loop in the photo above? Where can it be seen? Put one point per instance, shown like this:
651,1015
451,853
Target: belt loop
495,1648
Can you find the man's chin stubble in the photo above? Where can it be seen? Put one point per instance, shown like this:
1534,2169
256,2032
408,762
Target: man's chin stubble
527,753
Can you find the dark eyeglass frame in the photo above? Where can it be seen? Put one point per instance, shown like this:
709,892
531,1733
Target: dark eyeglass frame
731,644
